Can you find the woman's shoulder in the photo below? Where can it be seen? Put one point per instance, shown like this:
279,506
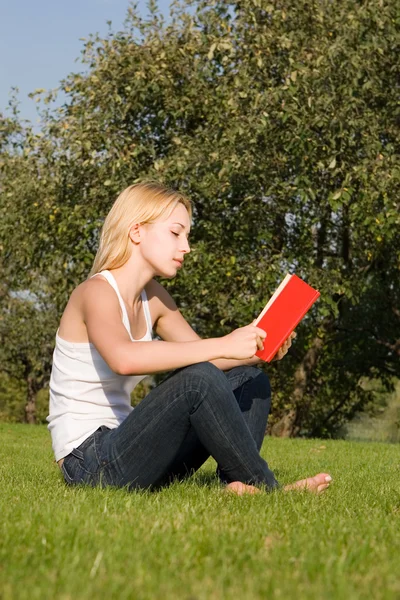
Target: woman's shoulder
93,283
98,290
88,297
92,290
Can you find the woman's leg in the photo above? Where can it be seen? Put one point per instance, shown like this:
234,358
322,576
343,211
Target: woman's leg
141,451
252,391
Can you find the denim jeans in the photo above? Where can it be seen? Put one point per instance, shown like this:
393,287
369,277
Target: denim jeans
196,412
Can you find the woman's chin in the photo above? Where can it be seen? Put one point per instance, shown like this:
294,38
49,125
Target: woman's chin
167,274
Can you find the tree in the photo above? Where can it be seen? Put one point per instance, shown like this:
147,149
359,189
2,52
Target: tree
278,120
26,341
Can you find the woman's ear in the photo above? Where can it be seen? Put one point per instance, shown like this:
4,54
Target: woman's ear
134,233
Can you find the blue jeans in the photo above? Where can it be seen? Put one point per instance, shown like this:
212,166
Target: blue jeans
196,412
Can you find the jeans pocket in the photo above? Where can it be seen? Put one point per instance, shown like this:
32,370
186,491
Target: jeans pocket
81,466
71,470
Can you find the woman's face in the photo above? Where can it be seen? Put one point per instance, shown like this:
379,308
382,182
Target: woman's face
164,243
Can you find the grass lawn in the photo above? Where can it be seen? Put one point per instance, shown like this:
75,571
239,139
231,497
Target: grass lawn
194,542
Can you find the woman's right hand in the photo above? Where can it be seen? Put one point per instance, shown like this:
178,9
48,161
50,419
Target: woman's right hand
243,343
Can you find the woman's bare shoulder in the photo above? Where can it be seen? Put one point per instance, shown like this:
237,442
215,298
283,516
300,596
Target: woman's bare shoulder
93,297
93,290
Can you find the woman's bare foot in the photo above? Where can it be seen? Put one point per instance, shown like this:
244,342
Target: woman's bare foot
239,488
316,484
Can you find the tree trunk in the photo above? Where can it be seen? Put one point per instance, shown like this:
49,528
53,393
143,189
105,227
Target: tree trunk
285,426
30,407
288,425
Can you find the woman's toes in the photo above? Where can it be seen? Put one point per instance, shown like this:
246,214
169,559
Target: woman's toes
239,488
322,487
322,478
315,484
322,481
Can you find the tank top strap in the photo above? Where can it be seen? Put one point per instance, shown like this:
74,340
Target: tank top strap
147,312
111,280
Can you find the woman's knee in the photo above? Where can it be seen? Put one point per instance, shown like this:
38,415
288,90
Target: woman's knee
249,374
204,370
246,372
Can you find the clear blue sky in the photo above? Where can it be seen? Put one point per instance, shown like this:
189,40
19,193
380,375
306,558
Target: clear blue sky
39,41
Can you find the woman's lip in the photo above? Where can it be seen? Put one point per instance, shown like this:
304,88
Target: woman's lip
178,261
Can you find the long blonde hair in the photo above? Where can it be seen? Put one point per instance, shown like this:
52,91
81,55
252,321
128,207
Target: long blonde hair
140,203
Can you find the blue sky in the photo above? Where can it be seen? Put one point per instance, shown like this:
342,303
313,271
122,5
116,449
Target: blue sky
39,41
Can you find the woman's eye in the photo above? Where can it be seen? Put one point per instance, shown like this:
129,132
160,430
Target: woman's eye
174,233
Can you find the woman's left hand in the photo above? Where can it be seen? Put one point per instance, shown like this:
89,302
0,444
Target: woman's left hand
284,349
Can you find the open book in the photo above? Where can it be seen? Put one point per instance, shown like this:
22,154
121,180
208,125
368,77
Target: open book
283,313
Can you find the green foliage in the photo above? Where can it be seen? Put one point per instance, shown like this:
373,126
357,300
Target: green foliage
279,121
141,390
12,399
384,423
27,329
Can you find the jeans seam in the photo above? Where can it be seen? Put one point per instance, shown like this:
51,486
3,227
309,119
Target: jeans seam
242,387
67,477
241,378
98,457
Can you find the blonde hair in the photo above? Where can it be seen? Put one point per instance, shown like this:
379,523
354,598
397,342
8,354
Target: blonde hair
140,203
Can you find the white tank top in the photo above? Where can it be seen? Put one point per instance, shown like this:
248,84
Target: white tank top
85,392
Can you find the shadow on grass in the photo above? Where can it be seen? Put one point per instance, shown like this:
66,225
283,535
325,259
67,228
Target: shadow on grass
199,479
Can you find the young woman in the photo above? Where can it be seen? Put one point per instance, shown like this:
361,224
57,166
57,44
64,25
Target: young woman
215,402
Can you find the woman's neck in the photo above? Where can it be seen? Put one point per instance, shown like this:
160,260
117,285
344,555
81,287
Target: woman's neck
131,280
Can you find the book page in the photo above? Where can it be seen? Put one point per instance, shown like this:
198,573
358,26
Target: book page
273,297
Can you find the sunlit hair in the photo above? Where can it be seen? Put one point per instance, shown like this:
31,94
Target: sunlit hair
145,202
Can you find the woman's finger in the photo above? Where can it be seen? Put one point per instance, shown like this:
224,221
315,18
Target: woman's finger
260,332
260,345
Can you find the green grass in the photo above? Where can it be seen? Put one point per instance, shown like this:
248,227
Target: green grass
191,540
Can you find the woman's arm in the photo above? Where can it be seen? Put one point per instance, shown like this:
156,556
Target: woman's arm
102,317
172,326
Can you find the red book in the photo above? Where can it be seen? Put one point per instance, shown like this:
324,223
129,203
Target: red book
283,313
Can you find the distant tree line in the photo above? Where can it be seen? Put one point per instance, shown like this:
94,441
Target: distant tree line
280,120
